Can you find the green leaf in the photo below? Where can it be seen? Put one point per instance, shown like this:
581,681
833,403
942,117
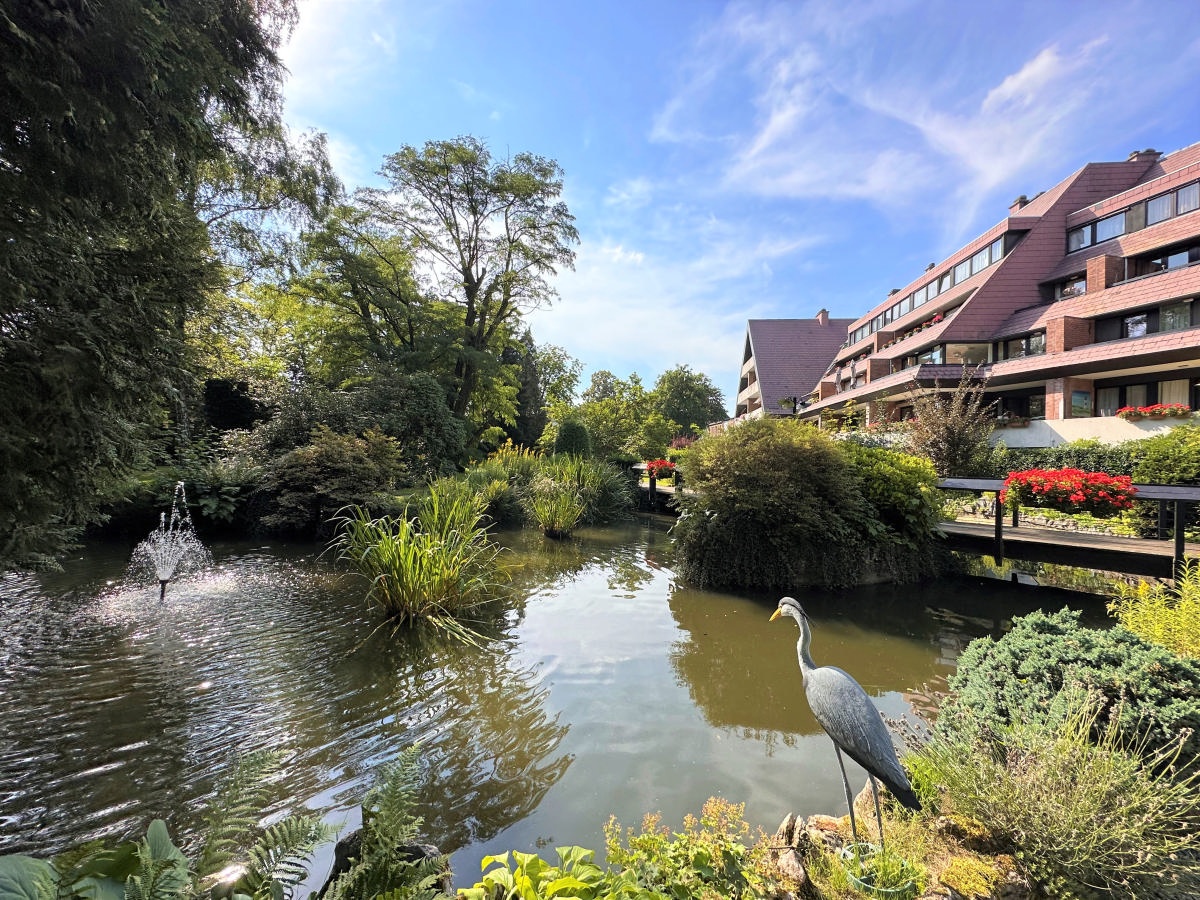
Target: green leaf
566,883
21,875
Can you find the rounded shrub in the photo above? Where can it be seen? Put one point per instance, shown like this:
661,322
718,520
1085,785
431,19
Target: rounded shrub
777,504
1034,672
573,438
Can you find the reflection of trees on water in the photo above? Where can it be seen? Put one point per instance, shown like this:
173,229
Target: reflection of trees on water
539,562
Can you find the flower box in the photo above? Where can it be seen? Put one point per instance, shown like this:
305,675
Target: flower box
1155,411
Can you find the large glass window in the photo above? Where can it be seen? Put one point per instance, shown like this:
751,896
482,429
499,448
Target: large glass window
918,297
934,356
1175,316
1111,227
967,354
962,271
1037,406
1187,199
1175,391
1030,345
1160,208
1135,395
997,250
979,261
945,283
1072,287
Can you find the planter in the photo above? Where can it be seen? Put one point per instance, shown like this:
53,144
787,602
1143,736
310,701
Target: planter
858,860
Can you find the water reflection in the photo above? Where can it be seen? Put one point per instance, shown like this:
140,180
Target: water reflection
609,689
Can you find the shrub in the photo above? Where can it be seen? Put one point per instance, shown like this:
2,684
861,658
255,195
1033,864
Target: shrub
607,494
1069,490
1089,455
1169,458
1164,615
777,504
554,506
1085,804
435,568
310,484
1021,678
710,857
573,438
952,429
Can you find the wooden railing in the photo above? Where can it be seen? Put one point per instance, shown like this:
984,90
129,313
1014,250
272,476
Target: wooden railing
1171,497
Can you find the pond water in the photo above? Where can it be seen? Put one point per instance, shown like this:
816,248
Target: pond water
610,689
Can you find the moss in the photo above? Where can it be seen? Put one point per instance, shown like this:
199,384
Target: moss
971,876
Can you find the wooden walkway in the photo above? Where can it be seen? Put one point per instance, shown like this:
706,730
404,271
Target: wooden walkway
1038,543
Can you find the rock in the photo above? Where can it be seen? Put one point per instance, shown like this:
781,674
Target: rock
824,831
347,851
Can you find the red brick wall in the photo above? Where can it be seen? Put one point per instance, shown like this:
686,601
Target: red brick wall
1103,272
1058,395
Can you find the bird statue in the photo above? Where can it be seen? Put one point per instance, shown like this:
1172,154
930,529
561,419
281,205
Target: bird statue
851,720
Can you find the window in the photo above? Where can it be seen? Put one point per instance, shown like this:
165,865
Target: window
945,283
918,297
1030,345
1175,316
1111,227
1163,261
962,271
1037,406
1108,401
1078,238
1175,391
997,250
1072,287
1135,395
933,355
1187,199
1135,326
1160,208
980,261
967,354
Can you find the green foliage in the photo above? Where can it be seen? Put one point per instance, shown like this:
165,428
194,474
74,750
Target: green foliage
778,504
532,878
1022,676
310,484
1162,614
1085,803
1169,458
1088,455
134,138
554,506
709,858
496,227
952,428
435,568
689,398
573,437
606,493
882,869
652,436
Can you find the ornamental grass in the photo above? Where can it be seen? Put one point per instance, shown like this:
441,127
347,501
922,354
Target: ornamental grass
1163,614
435,567
1069,490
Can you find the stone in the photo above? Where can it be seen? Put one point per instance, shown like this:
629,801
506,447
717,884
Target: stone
824,831
348,850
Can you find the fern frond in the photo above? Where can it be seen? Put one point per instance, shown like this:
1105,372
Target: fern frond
281,853
232,816
388,813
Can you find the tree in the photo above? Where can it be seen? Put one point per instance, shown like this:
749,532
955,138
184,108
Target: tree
689,398
490,232
109,114
952,428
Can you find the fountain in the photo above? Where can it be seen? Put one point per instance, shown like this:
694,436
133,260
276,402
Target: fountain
172,549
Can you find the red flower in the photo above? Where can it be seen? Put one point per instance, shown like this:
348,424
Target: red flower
1071,490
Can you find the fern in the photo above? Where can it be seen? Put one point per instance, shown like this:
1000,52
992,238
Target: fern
389,822
277,859
232,816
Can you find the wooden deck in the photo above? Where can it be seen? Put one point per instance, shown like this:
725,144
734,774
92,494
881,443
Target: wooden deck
1135,556
1132,555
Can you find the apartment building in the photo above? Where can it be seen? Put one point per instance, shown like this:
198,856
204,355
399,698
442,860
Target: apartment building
1077,303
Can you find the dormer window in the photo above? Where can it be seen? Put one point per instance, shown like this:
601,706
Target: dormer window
1072,287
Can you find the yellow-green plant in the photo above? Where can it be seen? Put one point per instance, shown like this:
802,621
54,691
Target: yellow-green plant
1164,614
1081,812
436,567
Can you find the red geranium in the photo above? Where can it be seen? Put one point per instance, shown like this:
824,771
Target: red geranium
1069,490
657,468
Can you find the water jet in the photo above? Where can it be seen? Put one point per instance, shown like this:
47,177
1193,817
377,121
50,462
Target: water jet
172,549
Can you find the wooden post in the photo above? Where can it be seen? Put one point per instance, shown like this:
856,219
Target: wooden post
998,554
1162,520
1180,519
653,494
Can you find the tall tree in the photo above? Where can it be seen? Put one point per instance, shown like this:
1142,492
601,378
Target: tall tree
109,112
490,231
689,398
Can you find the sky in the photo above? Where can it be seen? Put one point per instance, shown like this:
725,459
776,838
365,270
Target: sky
742,160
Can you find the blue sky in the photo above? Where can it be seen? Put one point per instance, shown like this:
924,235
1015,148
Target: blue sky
728,161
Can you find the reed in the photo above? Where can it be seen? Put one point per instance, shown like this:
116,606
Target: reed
556,507
435,567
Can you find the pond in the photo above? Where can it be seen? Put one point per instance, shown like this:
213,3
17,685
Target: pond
610,689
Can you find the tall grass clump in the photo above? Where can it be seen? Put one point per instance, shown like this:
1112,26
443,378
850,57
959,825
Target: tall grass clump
1085,805
554,506
607,494
1163,614
435,567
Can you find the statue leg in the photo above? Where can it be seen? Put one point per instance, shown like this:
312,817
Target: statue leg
878,814
849,797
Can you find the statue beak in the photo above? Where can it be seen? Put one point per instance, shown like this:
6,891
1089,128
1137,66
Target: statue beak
775,615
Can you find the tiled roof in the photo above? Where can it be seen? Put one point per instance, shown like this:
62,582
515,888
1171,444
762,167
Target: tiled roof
791,355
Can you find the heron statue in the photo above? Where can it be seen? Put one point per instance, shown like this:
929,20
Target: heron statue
851,720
